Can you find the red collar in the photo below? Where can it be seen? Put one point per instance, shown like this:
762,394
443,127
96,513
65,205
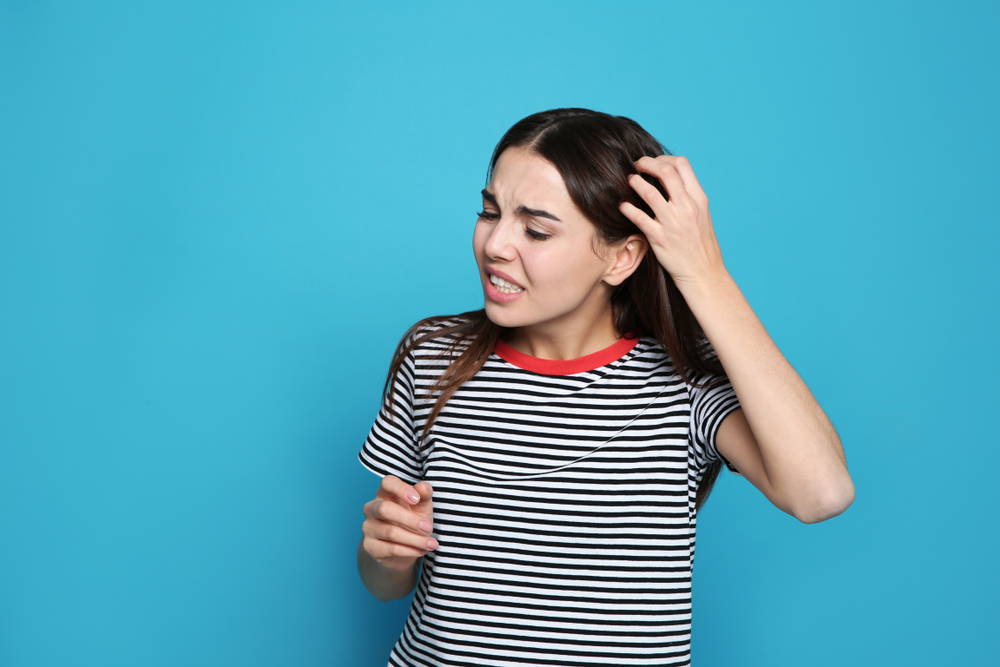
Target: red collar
590,362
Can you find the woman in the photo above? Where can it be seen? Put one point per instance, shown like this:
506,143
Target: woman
545,458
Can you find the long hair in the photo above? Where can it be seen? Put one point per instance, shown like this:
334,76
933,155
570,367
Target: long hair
595,153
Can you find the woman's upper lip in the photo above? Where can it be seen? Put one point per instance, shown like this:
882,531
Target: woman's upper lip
500,274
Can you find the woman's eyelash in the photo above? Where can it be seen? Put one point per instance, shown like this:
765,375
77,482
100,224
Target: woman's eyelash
535,236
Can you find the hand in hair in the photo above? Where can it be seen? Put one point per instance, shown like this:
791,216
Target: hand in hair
681,234
397,533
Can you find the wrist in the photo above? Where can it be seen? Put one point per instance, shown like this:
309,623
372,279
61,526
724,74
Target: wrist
707,288
384,582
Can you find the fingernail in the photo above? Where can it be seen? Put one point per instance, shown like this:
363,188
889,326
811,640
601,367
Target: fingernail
432,544
413,497
425,526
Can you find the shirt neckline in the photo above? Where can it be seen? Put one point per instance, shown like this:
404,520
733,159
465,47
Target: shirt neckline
589,362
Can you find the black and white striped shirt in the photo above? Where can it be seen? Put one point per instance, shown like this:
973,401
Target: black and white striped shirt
564,505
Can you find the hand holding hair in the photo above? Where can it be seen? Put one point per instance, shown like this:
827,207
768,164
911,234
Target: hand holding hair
681,233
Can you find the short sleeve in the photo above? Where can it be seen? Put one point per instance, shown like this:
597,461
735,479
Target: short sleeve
392,446
712,400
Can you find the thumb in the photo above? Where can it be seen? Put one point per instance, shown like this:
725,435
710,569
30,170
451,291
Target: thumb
426,492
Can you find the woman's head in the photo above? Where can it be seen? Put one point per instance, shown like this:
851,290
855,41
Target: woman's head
543,265
595,153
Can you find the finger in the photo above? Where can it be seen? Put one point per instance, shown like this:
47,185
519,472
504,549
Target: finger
417,497
386,511
390,532
686,172
650,194
667,174
381,549
639,218
394,486
425,506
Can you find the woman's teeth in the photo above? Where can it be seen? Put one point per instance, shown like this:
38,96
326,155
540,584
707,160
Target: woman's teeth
504,286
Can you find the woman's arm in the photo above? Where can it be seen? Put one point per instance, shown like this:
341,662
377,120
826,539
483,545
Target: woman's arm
780,439
397,534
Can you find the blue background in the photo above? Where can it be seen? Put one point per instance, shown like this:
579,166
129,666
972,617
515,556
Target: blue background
217,219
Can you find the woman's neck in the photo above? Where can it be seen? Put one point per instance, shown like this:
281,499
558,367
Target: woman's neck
560,341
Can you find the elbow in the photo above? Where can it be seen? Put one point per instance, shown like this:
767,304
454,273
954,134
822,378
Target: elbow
826,503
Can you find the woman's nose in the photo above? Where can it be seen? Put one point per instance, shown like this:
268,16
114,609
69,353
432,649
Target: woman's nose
499,244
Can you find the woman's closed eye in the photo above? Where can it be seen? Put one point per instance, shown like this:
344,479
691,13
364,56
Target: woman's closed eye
533,234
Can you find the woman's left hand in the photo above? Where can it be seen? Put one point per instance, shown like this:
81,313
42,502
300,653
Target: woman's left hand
681,234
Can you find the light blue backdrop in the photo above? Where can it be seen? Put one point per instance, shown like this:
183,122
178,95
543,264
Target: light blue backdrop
217,219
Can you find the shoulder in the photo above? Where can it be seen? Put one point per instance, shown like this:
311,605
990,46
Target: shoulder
704,369
649,354
651,364
442,331
443,337
646,370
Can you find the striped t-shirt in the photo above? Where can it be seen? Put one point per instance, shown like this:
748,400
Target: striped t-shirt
564,506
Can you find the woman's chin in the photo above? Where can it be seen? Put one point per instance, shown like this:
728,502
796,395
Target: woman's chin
501,315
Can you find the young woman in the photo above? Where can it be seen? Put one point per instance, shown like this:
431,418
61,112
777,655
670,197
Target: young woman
545,458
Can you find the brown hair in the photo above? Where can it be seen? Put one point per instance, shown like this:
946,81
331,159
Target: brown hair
595,153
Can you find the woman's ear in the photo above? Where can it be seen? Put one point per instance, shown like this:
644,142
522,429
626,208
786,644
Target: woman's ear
628,255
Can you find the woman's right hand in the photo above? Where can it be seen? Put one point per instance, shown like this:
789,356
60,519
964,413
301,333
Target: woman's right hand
398,524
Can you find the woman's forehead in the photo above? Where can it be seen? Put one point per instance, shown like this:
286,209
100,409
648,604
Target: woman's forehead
523,178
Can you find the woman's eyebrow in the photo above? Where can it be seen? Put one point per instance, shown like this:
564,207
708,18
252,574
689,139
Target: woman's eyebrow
521,210
536,213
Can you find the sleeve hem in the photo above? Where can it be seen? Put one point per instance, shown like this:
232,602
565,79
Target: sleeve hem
382,472
728,410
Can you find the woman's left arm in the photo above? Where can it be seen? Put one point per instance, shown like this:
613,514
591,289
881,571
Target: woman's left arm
780,439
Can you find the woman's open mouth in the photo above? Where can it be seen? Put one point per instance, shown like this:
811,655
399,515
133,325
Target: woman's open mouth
500,289
503,286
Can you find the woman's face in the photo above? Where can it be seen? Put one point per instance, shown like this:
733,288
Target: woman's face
536,251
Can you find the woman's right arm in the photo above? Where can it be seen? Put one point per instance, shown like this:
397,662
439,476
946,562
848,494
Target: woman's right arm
397,534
